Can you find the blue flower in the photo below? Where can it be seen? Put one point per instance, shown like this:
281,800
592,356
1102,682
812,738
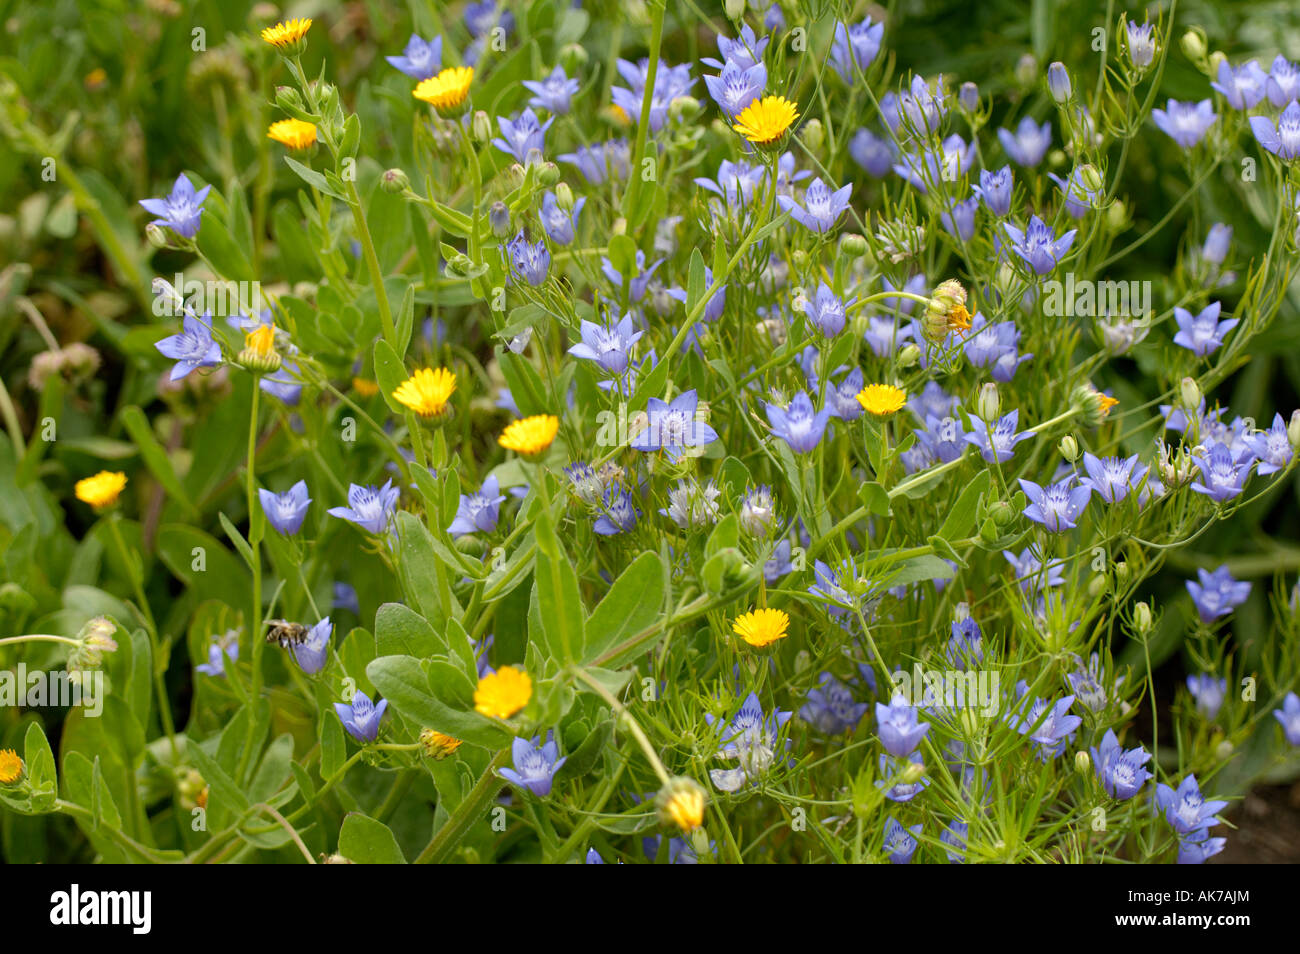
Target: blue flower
827,311
750,738
1049,725
478,512
1202,334
736,184
1289,717
1283,81
995,189
1028,144
1185,123
1222,473
923,109
997,444
1038,246
855,47
900,843
954,837
1112,477
1217,243
529,261
637,282
1141,44
944,439
523,135
345,597
994,345
1195,847
873,153
553,93
601,161
842,398
369,507
1272,447
1120,771
1058,506
891,767
966,642
1208,691
1282,140
950,159
821,206
285,511
558,224
361,716
607,345
798,424
959,220
218,651
481,18
181,211
313,652
593,857
283,385
830,708
671,82
1242,87
897,726
192,348
1029,571
420,60
1186,808
672,427
535,766
1079,199
619,513
884,336
745,51
736,87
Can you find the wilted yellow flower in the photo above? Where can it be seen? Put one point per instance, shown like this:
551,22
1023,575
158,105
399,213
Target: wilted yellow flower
502,693
530,435
102,490
448,92
11,766
288,34
438,745
426,392
882,399
293,133
762,626
681,803
764,122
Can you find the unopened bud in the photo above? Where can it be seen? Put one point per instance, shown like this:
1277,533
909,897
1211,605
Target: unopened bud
1193,44
1058,83
1189,392
853,246
969,97
481,126
908,356
548,174
813,135
573,57
499,219
1293,431
394,181
988,403
1082,762
564,197
734,9
913,773
1142,620
1090,177
1069,448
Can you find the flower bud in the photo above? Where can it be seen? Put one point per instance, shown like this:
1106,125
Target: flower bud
1082,762
1058,83
1293,431
1193,44
1117,215
1142,621
1026,70
853,246
680,803
913,773
1223,751
988,403
1098,585
564,197
499,219
1189,392
1001,513
969,97
1216,58
548,174
734,9
1069,448
1090,177
813,135
1120,570
908,356
481,126
573,57
156,235
394,181
684,110
287,98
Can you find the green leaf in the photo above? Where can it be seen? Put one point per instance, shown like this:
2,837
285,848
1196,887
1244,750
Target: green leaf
236,538
961,518
313,178
402,681
155,456
558,597
875,498
364,841
400,631
390,372
633,604
405,320
42,779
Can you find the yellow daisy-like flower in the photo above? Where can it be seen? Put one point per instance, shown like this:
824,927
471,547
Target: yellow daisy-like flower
365,387
764,122
1105,402
287,34
762,627
11,766
259,352
448,92
427,391
102,490
96,78
882,399
681,803
502,693
438,745
530,436
293,133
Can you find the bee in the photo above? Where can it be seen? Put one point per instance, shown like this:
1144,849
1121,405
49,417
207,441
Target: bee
286,633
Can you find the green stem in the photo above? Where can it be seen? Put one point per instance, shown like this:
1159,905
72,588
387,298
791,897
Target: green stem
455,828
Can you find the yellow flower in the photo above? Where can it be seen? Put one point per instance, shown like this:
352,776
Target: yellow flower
293,133
438,745
259,352
287,34
11,766
762,626
502,693
764,122
96,78
365,387
102,490
882,399
681,803
1105,402
530,435
427,391
447,92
